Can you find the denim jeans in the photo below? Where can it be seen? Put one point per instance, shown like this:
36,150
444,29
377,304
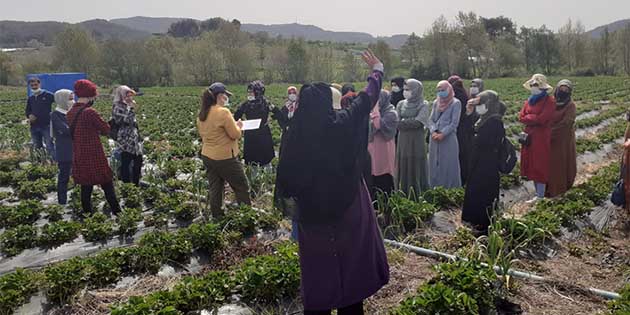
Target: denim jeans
40,137
62,182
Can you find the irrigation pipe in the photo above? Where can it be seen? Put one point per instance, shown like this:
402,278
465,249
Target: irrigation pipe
514,273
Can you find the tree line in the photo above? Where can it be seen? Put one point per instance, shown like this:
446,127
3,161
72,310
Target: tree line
195,53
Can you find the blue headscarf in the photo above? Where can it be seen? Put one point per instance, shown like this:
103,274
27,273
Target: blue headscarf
535,98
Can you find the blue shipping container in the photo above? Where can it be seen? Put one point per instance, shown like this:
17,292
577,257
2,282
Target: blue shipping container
54,82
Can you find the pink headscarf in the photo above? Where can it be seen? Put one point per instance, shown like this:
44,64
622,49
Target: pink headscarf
444,103
291,105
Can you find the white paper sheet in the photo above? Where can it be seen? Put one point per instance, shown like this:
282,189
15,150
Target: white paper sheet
251,124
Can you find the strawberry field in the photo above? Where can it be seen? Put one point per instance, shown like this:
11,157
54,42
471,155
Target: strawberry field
160,256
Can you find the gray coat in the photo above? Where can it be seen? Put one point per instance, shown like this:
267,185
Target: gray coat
444,170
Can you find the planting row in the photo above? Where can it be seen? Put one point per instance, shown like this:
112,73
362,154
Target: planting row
63,280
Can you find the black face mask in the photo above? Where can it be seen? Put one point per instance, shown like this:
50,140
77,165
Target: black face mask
562,95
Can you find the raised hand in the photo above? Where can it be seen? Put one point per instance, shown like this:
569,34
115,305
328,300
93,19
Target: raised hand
370,59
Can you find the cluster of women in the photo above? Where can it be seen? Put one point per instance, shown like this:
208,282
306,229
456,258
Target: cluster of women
338,148
76,129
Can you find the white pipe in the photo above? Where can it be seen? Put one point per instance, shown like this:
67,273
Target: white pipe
515,273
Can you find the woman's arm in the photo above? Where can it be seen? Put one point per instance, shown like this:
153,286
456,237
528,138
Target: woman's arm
230,126
567,120
122,115
434,119
97,122
456,111
238,114
60,126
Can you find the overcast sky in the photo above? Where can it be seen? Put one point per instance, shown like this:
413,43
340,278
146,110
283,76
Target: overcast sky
376,17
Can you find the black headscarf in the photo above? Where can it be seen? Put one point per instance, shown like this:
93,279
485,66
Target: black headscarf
318,167
260,102
397,96
348,87
460,91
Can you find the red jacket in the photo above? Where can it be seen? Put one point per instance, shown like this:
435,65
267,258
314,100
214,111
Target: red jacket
89,164
535,157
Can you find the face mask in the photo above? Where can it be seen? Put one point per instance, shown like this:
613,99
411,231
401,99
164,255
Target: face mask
395,89
442,94
407,94
292,97
474,90
226,100
536,90
563,95
481,109
36,91
251,98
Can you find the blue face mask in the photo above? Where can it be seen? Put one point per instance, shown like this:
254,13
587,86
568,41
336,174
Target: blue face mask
442,94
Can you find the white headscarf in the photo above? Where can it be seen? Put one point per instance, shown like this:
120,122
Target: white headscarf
64,103
121,93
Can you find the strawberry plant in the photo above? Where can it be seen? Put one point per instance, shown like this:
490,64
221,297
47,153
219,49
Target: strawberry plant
246,220
16,288
128,221
186,212
167,246
622,305
36,189
269,278
97,228
206,237
132,195
444,198
405,215
15,240
54,213
26,212
58,233
64,280
437,298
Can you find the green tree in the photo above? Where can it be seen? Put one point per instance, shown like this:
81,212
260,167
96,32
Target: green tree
297,65
185,28
75,50
6,68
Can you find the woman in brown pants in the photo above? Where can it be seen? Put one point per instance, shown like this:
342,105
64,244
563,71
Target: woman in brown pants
220,134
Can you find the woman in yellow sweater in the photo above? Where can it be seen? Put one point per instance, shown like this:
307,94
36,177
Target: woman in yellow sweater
220,134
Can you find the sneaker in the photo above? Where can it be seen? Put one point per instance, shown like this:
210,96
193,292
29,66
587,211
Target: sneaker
533,200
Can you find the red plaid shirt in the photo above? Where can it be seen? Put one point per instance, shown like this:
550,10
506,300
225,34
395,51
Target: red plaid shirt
89,164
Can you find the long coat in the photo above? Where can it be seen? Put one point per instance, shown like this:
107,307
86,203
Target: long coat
535,159
342,255
129,139
563,165
258,145
482,190
61,133
412,174
444,168
89,164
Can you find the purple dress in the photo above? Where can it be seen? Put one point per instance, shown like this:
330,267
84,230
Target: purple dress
345,262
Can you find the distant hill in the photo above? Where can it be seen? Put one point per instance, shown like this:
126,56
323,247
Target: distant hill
614,26
308,32
18,34
154,25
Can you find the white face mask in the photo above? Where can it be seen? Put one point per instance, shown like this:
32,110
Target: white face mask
481,109
536,90
292,97
36,91
226,100
395,89
407,94
251,98
474,90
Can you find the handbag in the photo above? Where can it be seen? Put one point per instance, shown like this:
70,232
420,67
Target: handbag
618,197
524,139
